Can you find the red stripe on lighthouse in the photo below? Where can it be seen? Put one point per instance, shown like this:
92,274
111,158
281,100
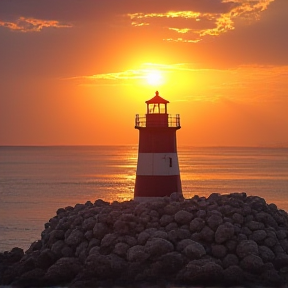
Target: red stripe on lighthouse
157,140
156,186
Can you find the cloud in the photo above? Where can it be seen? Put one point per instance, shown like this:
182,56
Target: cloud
134,74
242,84
23,24
198,24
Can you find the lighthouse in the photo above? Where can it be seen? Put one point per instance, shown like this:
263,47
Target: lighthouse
158,173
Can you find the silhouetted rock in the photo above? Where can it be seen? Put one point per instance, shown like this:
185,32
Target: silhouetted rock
222,240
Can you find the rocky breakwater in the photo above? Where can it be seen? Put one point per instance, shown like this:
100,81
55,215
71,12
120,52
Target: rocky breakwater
220,240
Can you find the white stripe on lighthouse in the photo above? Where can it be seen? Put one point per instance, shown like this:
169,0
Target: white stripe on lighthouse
157,164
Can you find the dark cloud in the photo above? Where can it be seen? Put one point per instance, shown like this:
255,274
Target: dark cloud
76,10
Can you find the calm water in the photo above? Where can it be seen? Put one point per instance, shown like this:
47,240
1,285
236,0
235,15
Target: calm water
36,181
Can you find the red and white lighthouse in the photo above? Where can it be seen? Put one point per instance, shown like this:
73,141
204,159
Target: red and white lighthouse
158,173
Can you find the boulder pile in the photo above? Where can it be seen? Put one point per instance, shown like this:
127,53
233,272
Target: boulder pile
222,240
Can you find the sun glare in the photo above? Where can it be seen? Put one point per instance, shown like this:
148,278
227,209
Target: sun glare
154,77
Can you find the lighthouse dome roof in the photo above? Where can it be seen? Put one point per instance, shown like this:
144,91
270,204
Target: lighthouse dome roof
157,99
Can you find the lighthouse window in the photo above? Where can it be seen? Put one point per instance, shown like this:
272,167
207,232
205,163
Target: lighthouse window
170,161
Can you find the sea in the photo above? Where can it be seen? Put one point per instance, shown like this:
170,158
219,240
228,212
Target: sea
36,181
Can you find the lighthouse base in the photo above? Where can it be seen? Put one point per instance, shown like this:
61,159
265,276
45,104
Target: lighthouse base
146,199
156,186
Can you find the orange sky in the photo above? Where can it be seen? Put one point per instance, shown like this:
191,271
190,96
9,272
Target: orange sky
75,72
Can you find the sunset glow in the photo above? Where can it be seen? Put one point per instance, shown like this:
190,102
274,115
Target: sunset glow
77,73
154,78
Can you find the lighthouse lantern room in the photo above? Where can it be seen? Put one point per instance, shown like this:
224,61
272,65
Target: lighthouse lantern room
158,173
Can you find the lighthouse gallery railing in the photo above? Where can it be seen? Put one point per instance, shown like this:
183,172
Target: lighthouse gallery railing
173,121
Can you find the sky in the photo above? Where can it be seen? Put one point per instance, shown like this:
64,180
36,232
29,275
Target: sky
76,72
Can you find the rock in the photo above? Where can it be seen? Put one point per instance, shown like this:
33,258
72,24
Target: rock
281,234
197,224
81,248
254,225
219,251
13,256
32,278
88,224
46,259
108,240
214,221
203,272
130,240
57,247
238,218
176,197
182,244
281,260
178,234
194,251
170,263
230,260
99,266
201,214
137,254
171,226
35,246
224,232
75,238
233,275
183,217
266,219
247,247
166,219
266,254
67,251
143,237
156,247
63,271
207,234
252,263
100,230
121,249
258,236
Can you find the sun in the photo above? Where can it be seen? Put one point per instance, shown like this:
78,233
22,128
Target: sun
154,77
